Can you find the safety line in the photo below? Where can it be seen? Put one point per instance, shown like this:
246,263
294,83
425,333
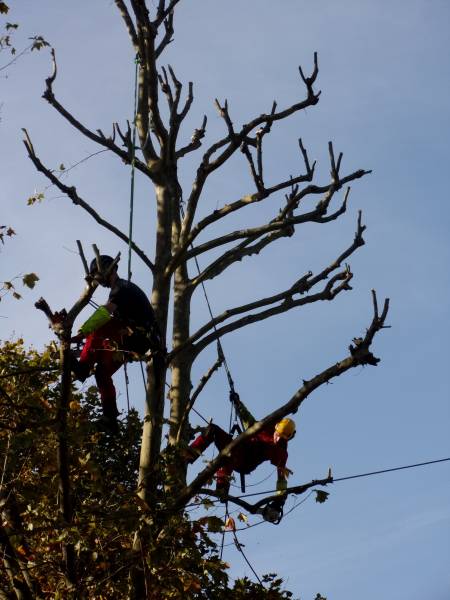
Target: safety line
238,546
429,462
219,345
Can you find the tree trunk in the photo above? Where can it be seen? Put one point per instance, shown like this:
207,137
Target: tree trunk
154,407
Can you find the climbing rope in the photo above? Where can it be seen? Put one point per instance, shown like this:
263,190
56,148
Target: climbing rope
133,156
130,228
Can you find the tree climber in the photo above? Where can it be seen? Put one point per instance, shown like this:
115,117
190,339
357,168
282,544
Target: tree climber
268,444
117,332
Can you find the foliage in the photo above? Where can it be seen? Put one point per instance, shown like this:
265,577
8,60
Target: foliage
181,561
7,43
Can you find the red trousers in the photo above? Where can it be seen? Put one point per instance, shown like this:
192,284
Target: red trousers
102,350
221,438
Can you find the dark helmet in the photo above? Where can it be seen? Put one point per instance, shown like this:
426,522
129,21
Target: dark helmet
105,263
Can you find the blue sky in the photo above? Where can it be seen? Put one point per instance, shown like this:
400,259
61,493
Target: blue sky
385,103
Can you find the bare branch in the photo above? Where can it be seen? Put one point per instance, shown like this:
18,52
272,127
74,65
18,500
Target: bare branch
71,192
99,139
281,221
232,142
83,258
163,14
128,22
224,113
284,220
255,174
168,36
188,103
284,300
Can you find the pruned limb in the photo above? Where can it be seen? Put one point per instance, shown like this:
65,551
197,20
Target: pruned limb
71,192
164,13
165,87
203,381
83,258
284,300
99,139
172,89
360,354
196,140
257,178
225,114
168,35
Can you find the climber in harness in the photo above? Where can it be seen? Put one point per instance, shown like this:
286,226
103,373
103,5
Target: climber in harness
120,331
268,444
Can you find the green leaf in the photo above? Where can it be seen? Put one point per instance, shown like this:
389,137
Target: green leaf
30,280
37,197
321,496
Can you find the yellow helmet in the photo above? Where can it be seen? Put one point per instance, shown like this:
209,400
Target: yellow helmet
285,428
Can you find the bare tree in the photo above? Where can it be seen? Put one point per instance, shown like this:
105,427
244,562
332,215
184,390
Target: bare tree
172,261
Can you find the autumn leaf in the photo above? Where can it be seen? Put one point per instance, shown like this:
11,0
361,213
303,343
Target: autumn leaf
30,280
230,524
3,8
17,296
10,232
243,517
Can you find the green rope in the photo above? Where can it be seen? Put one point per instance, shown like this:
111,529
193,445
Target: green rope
133,152
130,228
